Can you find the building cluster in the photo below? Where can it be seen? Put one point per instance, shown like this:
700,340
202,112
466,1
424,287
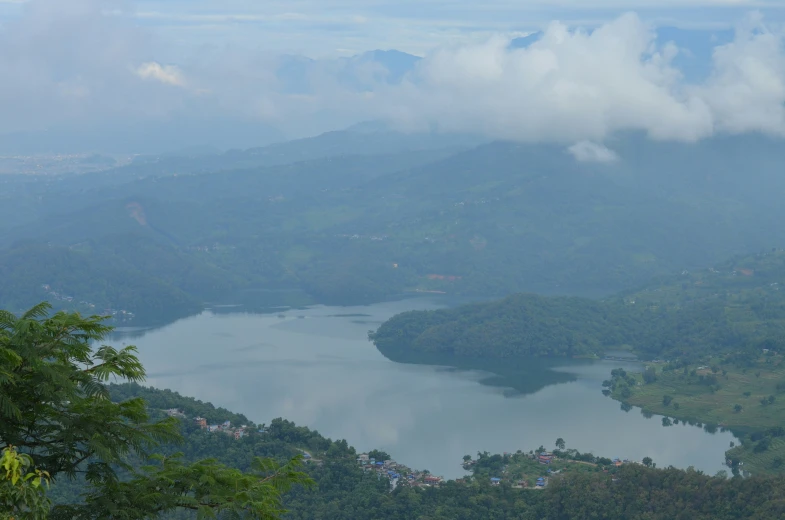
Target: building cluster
398,473
544,457
238,432
120,315
375,238
215,247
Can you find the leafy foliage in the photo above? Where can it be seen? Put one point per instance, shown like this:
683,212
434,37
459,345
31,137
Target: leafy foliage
55,408
21,487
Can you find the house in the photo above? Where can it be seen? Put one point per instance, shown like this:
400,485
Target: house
238,434
545,458
174,412
540,482
201,422
430,479
495,481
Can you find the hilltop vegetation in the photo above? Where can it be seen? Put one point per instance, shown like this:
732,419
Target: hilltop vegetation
734,307
62,423
361,216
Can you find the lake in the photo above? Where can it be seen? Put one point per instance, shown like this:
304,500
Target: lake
317,368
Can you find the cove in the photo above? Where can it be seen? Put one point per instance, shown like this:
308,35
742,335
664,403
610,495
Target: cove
315,366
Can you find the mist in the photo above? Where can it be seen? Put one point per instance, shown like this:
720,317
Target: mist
87,75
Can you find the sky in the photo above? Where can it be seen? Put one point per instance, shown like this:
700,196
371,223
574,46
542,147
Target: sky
158,74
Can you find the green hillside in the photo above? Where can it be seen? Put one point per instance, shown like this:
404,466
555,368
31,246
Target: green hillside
410,217
735,306
75,447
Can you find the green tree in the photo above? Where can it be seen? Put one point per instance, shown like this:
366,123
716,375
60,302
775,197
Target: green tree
737,408
560,443
55,409
666,400
21,488
647,461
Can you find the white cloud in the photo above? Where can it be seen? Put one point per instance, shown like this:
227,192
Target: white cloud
575,86
167,74
587,151
747,89
86,62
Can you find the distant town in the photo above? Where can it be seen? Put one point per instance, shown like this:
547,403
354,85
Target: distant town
120,315
238,432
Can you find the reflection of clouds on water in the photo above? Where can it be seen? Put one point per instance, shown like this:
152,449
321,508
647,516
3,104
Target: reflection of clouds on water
323,373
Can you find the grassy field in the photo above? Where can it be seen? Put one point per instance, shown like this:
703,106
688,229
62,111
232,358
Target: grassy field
701,402
744,400
770,461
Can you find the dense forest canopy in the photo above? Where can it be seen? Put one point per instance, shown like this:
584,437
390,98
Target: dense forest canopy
734,306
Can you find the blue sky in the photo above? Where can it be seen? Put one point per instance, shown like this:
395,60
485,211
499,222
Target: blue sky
209,72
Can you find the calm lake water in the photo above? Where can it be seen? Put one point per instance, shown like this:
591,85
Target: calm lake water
316,368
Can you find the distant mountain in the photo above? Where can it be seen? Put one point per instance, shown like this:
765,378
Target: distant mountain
360,73
367,214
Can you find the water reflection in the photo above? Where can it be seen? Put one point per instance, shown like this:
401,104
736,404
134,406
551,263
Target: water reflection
321,371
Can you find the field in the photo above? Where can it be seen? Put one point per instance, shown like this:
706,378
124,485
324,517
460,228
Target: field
750,401
698,401
770,461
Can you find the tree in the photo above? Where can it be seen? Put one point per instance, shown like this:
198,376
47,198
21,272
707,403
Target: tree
666,400
649,375
560,443
21,487
647,461
379,455
55,409
737,408
467,458
676,406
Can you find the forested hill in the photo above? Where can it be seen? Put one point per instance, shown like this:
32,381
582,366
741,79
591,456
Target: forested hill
736,305
343,491
361,217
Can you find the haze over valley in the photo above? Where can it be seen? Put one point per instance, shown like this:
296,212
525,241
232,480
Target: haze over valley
437,236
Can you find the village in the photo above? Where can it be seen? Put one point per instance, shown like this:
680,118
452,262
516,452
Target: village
534,470
519,470
238,432
120,315
398,473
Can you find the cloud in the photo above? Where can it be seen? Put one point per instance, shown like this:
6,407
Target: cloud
587,151
167,74
575,85
88,63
